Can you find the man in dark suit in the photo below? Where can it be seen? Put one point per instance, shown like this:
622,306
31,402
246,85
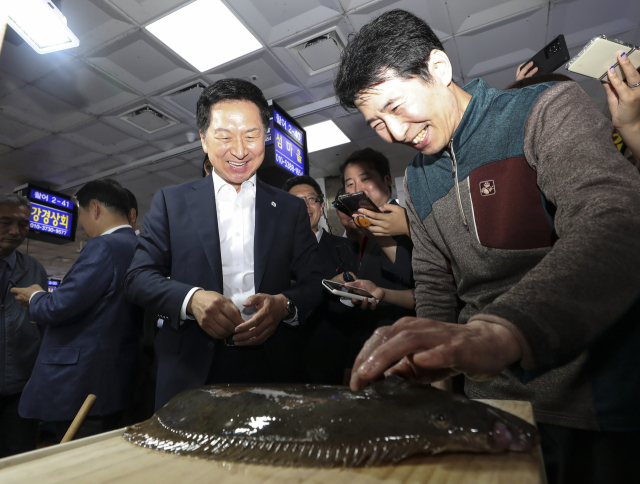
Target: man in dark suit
89,344
218,256
327,350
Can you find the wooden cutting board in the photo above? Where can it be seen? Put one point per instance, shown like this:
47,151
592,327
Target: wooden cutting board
110,458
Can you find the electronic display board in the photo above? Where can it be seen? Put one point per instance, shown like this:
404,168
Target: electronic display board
52,199
52,285
54,216
51,220
285,149
288,154
289,128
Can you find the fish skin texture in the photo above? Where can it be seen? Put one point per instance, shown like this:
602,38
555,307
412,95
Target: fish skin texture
328,426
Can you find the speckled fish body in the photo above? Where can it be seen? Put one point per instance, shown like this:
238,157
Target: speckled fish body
327,426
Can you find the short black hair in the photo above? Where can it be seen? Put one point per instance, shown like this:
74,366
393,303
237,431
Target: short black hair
133,202
303,180
373,158
396,41
107,192
230,90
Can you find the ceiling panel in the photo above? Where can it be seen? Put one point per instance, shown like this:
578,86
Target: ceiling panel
40,109
16,134
102,138
261,68
59,150
466,16
26,64
95,23
142,62
343,28
8,84
484,50
87,88
144,11
273,21
434,12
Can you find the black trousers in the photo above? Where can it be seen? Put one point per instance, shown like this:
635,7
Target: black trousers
240,364
588,456
17,434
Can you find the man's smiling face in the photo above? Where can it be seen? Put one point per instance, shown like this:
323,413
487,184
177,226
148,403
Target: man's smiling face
234,141
410,111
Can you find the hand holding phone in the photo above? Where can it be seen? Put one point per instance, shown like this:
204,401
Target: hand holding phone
345,291
350,203
600,53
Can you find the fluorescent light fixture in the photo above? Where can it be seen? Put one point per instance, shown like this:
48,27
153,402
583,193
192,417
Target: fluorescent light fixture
41,25
324,135
205,33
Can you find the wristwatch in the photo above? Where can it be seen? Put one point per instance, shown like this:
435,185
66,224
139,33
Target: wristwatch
291,308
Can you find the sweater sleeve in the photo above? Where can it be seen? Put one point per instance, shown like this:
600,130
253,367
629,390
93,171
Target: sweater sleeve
591,276
436,295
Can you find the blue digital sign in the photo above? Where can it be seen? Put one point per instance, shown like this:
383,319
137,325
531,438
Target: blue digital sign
52,199
50,220
288,154
53,285
289,128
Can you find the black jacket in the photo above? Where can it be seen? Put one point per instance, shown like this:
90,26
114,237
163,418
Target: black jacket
19,338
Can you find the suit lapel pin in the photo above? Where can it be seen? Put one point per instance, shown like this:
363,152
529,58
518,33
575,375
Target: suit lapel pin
273,204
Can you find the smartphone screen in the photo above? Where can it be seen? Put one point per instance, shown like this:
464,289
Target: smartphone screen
354,201
347,289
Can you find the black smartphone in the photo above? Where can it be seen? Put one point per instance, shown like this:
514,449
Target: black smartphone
338,205
354,201
551,56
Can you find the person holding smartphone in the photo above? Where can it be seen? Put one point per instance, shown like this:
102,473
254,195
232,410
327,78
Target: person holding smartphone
385,250
327,348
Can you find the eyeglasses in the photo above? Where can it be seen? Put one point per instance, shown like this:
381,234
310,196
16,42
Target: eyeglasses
311,200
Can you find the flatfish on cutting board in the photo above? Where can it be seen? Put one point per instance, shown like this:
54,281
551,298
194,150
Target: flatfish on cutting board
328,426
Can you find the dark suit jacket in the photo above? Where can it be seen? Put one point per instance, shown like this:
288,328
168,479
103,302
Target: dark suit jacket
327,349
89,343
181,240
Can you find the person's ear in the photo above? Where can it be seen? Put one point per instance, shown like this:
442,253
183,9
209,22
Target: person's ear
202,140
96,209
440,67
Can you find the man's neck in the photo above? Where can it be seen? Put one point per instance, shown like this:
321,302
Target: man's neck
463,98
112,223
4,253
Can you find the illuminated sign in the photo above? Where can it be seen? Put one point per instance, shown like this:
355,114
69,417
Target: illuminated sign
288,154
289,128
51,220
53,285
50,198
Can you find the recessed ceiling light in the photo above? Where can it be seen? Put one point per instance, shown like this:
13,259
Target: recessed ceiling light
41,25
324,135
205,33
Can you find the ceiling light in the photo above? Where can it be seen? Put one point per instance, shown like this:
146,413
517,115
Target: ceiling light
205,33
324,135
41,25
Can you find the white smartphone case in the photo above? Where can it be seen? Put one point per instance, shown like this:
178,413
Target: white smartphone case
595,59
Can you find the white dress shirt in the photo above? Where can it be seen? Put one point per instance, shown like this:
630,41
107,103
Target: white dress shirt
319,234
236,213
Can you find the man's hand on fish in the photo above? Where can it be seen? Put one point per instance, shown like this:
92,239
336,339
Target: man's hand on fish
215,313
428,350
271,310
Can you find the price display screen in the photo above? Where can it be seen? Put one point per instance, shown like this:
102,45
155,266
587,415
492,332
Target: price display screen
53,285
51,220
289,155
52,199
288,128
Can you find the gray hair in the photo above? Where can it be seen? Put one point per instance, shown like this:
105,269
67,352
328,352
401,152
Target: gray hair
14,200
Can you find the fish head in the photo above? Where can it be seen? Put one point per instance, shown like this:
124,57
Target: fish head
455,423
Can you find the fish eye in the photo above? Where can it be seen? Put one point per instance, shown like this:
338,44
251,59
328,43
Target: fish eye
440,420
